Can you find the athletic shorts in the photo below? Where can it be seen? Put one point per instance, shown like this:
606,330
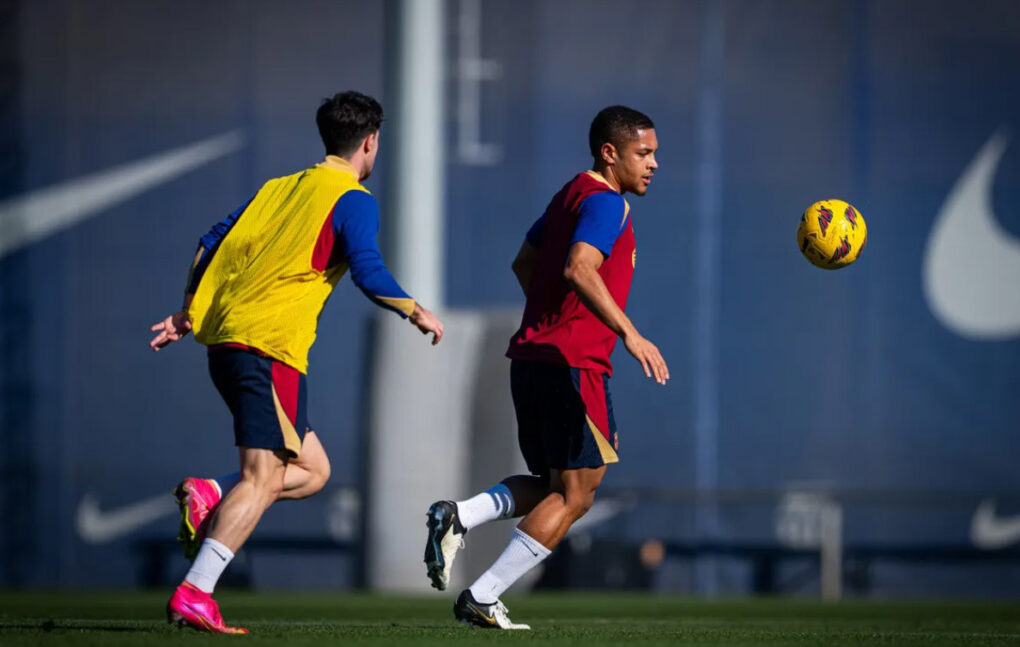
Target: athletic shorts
564,416
267,398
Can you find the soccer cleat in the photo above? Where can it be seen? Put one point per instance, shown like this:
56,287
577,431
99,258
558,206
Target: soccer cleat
196,499
490,616
190,607
446,537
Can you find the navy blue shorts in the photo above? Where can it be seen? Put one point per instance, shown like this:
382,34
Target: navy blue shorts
267,398
564,416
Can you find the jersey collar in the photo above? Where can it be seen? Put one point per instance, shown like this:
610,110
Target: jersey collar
338,164
626,205
598,176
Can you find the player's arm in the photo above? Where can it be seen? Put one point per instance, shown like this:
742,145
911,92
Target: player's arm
524,265
582,274
178,324
527,256
356,226
599,223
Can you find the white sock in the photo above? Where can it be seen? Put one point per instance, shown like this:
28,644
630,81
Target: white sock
495,503
226,483
212,559
521,555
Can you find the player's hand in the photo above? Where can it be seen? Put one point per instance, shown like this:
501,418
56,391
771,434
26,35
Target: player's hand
427,323
170,329
648,356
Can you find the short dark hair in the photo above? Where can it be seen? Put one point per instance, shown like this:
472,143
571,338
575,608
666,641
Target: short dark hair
615,125
346,119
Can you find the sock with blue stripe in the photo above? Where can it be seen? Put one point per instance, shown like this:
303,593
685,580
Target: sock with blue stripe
495,503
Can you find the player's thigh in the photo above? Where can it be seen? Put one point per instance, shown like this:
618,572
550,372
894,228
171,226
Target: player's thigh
263,466
313,457
580,480
578,486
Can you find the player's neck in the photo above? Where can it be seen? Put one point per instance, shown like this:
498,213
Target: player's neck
357,162
607,174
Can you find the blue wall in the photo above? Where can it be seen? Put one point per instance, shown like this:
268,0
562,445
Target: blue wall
781,372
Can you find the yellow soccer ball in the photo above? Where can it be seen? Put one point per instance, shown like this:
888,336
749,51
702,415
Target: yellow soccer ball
832,234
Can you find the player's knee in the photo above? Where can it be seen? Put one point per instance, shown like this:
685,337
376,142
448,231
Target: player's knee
272,493
579,504
268,484
270,489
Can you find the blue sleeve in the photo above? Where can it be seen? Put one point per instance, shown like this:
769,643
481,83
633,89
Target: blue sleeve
208,244
600,221
534,235
356,224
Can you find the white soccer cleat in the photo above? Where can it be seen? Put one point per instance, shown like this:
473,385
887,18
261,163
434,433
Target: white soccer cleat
446,537
488,616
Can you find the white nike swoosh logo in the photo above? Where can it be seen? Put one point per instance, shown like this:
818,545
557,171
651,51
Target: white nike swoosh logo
989,531
32,216
601,511
97,527
972,265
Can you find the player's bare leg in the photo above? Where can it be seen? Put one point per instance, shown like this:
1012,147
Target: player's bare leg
308,473
528,492
449,521
262,476
198,498
571,495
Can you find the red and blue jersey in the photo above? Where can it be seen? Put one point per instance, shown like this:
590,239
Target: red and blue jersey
557,327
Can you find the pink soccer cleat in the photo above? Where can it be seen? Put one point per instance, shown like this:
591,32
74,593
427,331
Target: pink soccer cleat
196,498
191,607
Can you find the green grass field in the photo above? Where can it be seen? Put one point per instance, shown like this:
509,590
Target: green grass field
306,619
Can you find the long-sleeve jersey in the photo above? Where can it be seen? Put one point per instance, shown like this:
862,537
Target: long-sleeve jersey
262,275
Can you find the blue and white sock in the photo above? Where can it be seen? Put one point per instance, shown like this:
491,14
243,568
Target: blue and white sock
522,554
495,503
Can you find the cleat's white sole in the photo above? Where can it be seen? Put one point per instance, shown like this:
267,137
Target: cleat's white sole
436,565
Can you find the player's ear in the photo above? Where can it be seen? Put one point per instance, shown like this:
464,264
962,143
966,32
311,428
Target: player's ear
371,142
608,153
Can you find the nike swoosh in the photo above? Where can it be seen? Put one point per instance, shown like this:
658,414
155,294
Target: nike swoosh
33,216
972,265
485,617
601,511
989,531
97,527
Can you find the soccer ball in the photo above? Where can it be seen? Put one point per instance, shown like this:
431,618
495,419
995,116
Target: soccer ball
832,234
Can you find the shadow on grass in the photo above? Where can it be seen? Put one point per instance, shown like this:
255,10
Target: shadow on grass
76,625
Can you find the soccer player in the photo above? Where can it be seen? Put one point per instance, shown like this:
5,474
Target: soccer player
258,283
575,267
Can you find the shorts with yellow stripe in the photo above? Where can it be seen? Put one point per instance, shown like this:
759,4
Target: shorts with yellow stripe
267,398
564,416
